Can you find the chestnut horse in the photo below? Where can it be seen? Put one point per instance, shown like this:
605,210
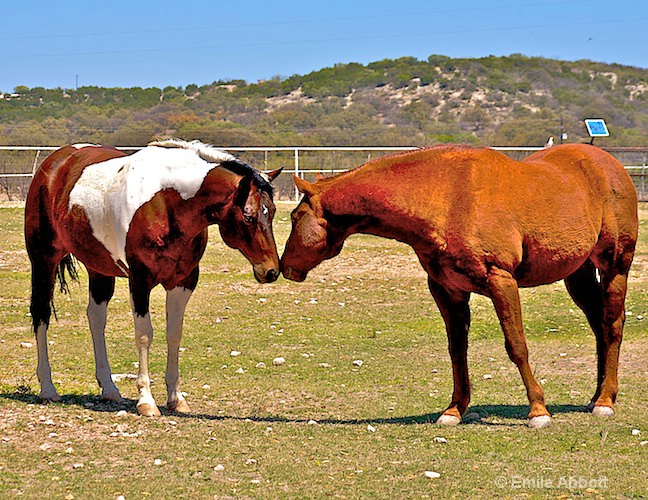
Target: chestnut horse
481,222
143,216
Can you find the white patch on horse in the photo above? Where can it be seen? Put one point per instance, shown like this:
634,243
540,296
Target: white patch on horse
264,209
112,191
85,145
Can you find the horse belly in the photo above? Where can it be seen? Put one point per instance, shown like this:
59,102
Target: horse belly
543,263
80,241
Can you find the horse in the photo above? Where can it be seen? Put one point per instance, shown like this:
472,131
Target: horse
142,216
480,222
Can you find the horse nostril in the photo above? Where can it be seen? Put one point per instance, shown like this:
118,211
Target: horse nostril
272,275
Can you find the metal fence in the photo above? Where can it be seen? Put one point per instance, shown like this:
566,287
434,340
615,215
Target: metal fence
18,164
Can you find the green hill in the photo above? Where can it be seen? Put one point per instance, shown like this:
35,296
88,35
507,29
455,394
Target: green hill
513,101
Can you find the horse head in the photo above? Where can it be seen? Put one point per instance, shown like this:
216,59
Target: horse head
248,226
313,238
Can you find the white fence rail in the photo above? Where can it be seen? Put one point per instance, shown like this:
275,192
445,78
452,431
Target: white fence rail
18,163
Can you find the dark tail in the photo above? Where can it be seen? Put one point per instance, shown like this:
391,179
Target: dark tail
67,264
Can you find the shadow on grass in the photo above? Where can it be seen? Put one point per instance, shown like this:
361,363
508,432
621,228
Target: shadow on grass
492,415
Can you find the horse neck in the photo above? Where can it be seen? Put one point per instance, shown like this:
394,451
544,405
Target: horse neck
368,204
210,203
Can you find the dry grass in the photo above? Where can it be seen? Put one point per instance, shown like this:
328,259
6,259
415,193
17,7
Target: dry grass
371,304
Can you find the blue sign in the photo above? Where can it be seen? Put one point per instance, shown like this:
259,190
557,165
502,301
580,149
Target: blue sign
596,127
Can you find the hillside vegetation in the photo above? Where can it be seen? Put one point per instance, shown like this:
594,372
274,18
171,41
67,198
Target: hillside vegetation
514,101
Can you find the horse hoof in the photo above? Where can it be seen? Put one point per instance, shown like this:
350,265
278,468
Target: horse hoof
49,397
113,396
448,420
540,421
148,410
179,406
602,411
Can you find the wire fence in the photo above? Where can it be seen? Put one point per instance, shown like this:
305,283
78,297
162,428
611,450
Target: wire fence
18,164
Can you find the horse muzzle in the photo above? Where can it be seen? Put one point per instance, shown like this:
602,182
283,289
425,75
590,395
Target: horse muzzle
266,275
293,274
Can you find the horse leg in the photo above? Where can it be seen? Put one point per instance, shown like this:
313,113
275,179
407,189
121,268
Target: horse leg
101,291
140,297
614,292
456,314
42,282
587,293
176,302
503,291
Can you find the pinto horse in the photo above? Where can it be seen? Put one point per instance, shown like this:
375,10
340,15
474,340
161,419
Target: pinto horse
481,222
143,216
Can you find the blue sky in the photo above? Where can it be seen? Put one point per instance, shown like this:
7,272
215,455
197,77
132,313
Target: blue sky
144,43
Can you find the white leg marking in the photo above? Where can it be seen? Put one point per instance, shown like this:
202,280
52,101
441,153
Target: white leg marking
43,370
176,303
97,320
143,339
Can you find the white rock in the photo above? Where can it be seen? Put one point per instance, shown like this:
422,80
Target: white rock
26,345
122,413
250,461
219,468
643,443
157,461
240,370
306,355
260,364
487,376
371,428
358,362
312,301
77,466
324,365
432,475
639,317
206,387
440,440
312,422
262,300
341,304
235,353
279,361
45,446
563,354
636,432
121,497
255,481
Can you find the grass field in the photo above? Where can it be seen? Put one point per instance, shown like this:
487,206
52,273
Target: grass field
318,425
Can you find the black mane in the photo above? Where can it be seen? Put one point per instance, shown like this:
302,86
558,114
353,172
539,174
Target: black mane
241,168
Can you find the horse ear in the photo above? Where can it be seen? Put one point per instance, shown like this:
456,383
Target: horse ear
274,174
319,177
303,186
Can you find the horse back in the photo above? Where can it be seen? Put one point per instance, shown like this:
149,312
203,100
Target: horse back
46,206
604,180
